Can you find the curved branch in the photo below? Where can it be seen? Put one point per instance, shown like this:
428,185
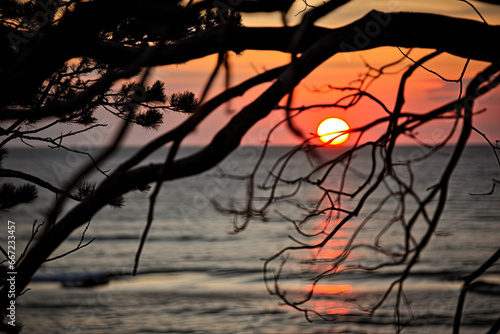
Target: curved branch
35,180
460,37
466,285
465,38
202,112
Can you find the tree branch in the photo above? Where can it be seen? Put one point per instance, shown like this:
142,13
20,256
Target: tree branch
460,37
35,180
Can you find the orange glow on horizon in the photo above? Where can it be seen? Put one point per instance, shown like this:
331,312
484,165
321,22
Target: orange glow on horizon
330,302
336,307
330,289
425,92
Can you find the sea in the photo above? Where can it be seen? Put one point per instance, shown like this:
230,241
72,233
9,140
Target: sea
196,275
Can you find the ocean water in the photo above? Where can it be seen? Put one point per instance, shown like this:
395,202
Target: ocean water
195,276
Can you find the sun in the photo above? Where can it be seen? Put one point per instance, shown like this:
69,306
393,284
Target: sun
328,131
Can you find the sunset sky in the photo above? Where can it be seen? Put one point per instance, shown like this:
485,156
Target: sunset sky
425,90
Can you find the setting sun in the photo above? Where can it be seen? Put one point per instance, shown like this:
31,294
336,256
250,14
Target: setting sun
330,129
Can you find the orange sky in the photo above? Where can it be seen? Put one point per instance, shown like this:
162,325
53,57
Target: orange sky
425,90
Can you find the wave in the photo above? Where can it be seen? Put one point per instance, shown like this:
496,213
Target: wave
153,238
90,279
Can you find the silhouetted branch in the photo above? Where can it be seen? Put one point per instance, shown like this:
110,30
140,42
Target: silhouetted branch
493,147
77,248
465,287
103,57
492,190
34,231
35,180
